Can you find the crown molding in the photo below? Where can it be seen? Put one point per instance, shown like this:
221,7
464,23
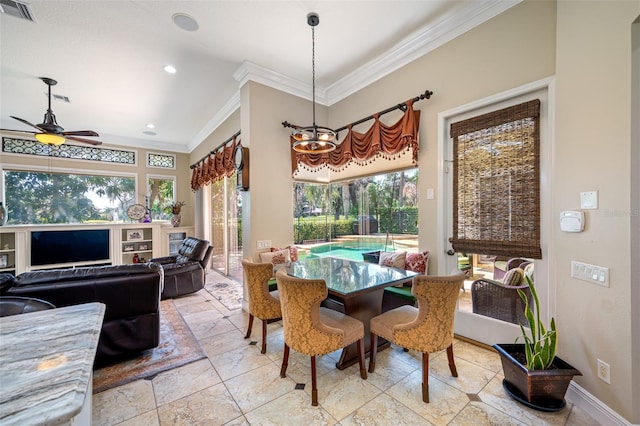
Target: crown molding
408,50
254,72
411,48
229,108
417,45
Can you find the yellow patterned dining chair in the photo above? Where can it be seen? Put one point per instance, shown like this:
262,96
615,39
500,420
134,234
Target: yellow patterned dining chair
427,328
263,304
313,330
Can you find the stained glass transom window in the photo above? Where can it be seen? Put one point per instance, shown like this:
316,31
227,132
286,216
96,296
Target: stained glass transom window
90,153
164,161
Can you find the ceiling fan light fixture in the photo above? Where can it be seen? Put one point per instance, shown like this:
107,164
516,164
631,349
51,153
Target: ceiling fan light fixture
50,138
313,139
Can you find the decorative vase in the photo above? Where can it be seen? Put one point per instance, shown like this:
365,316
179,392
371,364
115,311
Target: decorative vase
3,215
539,389
175,220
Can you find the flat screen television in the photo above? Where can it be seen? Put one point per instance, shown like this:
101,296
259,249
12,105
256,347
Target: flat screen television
84,245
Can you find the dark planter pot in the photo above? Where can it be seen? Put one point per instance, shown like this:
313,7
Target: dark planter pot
539,389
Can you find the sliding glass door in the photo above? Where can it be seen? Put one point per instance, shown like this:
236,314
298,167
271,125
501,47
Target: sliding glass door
226,228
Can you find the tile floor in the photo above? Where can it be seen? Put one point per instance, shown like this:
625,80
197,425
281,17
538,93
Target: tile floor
236,385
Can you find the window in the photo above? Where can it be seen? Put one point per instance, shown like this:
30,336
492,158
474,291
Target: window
34,197
161,190
496,182
364,214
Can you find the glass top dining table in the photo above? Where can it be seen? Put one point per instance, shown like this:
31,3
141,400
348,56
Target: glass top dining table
355,288
348,277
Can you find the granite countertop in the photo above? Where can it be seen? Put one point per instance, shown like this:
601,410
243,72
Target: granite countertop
46,360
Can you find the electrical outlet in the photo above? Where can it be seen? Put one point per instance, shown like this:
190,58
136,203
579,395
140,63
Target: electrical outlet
604,373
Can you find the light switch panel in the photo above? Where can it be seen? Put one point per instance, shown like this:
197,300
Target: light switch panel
263,244
429,193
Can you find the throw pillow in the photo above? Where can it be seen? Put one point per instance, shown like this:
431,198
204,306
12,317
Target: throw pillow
417,262
293,252
513,276
275,257
393,259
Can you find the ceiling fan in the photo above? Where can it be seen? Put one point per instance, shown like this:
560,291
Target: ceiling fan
50,132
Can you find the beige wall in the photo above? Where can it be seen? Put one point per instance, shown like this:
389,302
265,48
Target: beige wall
593,145
514,48
223,132
268,206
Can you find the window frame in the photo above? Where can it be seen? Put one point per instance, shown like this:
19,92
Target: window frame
14,167
174,179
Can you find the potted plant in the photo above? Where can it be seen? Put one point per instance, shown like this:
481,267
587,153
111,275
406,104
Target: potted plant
533,374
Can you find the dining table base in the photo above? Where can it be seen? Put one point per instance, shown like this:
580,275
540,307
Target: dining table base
362,307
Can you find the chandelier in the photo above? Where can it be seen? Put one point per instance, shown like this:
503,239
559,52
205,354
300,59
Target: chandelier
313,139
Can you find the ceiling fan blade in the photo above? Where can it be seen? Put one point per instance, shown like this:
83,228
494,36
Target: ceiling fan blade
81,133
83,140
27,123
22,132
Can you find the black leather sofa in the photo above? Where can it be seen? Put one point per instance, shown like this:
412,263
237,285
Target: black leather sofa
131,294
186,272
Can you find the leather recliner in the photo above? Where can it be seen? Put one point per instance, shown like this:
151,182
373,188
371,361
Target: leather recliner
131,294
186,272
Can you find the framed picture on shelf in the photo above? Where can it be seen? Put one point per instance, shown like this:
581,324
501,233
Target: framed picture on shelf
4,260
135,234
128,247
143,247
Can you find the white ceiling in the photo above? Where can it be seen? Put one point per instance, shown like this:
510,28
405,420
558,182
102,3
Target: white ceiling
108,58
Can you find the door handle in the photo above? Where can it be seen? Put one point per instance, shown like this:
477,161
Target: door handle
450,252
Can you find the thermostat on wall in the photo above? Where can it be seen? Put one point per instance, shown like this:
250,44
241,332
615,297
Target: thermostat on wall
572,221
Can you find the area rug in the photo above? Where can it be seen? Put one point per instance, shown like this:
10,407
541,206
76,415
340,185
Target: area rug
177,347
228,293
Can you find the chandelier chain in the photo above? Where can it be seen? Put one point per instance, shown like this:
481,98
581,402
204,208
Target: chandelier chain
313,72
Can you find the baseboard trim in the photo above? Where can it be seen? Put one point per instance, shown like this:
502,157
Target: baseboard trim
598,410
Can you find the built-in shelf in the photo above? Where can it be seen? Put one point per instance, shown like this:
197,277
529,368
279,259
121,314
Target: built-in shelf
173,237
147,240
136,240
8,252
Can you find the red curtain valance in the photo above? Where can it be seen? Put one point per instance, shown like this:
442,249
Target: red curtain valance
214,166
363,148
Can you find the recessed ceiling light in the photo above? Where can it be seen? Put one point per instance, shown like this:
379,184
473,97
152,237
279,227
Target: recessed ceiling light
149,133
151,126
170,69
184,21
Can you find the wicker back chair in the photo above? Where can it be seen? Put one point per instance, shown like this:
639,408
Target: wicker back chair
496,300
499,270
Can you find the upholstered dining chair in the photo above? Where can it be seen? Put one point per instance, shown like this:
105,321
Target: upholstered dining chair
313,330
263,304
427,328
